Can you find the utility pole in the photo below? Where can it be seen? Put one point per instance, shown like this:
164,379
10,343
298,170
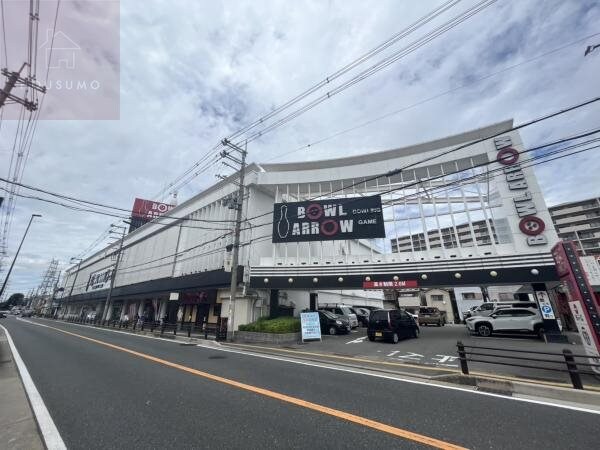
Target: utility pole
239,203
114,273
75,277
12,79
17,254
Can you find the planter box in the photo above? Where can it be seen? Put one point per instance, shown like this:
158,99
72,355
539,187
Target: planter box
267,338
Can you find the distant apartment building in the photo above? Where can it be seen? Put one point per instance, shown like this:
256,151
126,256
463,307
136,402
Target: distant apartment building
465,235
579,222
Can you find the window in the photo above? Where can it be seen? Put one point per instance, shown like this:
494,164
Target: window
522,313
379,315
505,313
469,296
217,309
437,298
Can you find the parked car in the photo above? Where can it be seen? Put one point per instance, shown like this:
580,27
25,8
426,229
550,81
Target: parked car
391,325
429,315
485,309
2,315
332,324
469,312
343,311
362,315
91,315
413,311
26,313
507,320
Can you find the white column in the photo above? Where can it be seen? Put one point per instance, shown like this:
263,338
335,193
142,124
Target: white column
412,244
437,219
466,206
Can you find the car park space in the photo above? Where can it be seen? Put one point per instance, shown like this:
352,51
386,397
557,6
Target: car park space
436,347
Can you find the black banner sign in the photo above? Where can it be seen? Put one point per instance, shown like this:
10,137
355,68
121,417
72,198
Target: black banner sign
326,220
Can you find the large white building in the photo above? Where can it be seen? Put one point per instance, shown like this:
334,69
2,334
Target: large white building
174,266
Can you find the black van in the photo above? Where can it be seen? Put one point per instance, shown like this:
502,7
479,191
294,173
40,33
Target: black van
391,325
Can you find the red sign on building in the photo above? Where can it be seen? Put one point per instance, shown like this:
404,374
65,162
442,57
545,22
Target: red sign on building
144,211
148,209
400,284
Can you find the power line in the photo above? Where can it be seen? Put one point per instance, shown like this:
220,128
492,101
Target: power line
415,45
498,171
460,147
348,67
434,97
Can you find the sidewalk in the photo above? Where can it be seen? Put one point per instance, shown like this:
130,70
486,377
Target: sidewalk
18,427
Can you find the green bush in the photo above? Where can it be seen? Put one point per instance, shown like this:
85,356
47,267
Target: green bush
278,325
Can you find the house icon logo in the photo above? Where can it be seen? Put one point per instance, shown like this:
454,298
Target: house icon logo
61,53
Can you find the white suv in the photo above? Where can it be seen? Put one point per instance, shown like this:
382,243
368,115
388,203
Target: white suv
507,320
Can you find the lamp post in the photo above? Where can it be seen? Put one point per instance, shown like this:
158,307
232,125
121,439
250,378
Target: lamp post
17,254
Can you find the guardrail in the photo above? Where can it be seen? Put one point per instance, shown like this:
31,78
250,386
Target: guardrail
564,363
161,328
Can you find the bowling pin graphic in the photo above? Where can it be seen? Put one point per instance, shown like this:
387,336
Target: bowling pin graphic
283,226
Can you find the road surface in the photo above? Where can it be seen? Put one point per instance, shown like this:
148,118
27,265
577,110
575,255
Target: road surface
106,389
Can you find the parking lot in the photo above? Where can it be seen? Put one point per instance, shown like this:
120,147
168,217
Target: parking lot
436,348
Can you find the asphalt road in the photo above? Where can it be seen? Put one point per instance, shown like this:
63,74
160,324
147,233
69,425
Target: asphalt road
123,391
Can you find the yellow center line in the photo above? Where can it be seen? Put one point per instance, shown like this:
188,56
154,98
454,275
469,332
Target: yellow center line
395,431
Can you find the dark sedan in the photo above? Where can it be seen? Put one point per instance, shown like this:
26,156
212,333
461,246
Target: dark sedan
333,324
362,315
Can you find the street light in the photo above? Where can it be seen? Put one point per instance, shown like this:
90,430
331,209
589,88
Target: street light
17,254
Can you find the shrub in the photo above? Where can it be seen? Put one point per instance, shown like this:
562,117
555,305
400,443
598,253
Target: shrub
278,325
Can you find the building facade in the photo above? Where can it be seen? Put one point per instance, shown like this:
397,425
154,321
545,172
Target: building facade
176,266
463,235
579,222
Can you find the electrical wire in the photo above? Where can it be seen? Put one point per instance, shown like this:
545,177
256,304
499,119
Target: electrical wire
434,97
345,69
415,45
452,184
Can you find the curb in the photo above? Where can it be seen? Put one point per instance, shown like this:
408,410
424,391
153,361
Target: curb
478,382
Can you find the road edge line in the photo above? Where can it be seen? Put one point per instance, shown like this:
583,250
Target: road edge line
47,427
573,406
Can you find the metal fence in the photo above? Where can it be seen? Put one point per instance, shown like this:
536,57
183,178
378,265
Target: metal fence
204,330
552,361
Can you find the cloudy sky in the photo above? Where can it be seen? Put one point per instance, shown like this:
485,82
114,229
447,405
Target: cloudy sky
186,74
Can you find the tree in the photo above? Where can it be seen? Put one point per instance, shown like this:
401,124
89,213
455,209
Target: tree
17,299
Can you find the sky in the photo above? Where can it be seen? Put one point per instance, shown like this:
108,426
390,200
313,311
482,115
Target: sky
177,77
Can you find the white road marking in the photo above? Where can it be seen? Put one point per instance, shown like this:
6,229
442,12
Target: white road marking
360,372
52,438
357,340
412,356
445,358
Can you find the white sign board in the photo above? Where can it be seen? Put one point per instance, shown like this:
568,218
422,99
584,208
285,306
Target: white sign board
545,305
310,325
100,279
586,335
591,267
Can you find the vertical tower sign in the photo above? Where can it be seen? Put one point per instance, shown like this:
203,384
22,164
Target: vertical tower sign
582,301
